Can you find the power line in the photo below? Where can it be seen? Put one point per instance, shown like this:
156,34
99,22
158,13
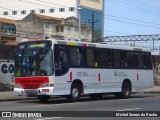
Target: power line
144,5
110,16
104,14
133,23
134,7
135,20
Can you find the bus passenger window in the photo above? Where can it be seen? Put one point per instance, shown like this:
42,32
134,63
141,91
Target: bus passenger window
90,55
61,61
76,56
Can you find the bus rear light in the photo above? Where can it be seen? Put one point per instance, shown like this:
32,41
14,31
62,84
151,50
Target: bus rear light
45,90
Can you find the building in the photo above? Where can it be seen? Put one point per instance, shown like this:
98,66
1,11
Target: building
7,30
91,12
36,26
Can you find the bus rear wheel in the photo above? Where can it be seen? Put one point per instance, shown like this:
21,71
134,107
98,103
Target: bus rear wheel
75,93
126,91
43,98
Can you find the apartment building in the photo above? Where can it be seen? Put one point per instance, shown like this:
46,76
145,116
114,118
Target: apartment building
90,11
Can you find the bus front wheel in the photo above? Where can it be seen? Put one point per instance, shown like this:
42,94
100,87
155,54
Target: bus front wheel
126,91
75,93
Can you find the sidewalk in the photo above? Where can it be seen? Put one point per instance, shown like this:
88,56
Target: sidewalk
155,89
9,95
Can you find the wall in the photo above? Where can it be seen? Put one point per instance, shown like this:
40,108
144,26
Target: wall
37,5
6,76
156,69
29,28
6,67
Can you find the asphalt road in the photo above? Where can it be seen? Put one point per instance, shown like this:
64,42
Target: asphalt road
137,102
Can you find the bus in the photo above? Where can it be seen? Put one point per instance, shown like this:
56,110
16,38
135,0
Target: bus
45,68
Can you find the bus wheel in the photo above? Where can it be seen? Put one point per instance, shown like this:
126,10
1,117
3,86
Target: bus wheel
43,98
75,93
126,91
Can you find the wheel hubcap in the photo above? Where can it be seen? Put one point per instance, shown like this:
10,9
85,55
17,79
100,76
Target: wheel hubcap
75,92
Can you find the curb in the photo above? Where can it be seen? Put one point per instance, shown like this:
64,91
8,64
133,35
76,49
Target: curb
15,99
151,92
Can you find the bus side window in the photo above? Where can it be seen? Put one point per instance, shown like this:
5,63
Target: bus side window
61,61
61,58
89,56
76,56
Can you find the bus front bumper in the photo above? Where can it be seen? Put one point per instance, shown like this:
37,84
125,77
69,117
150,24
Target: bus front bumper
34,92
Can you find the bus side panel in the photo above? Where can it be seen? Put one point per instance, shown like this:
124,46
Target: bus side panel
103,80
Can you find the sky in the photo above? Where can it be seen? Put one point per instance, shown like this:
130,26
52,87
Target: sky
131,17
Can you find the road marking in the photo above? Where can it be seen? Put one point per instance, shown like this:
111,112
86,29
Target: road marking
41,105
129,109
49,118
54,105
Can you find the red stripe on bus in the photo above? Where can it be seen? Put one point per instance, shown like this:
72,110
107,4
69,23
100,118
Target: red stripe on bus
137,76
99,77
71,76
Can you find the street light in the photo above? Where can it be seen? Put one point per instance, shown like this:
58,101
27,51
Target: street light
79,21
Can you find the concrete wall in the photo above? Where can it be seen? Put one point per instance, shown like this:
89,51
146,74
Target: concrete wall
156,69
29,28
6,76
6,67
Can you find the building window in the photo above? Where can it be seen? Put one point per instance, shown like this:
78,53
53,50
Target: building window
61,9
42,10
5,13
14,12
59,28
23,12
32,11
47,26
51,10
68,28
72,9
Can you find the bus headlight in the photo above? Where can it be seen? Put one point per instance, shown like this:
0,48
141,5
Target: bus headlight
17,86
44,85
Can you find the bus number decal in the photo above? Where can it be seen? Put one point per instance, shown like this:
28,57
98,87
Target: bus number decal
82,74
120,74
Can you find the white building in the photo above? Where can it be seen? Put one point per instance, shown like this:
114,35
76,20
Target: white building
18,9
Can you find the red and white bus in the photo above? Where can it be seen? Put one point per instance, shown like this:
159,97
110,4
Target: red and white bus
45,68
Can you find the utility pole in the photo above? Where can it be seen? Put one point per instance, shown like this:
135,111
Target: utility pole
93,22
79,22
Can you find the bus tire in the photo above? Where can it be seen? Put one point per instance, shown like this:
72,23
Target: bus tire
126,91
75,93
43,98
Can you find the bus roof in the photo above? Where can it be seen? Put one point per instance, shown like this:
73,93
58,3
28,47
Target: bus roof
99,45
89,44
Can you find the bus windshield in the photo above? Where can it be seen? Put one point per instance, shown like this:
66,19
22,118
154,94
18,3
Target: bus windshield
34,59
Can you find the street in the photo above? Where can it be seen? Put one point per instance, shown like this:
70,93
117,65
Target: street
137,102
